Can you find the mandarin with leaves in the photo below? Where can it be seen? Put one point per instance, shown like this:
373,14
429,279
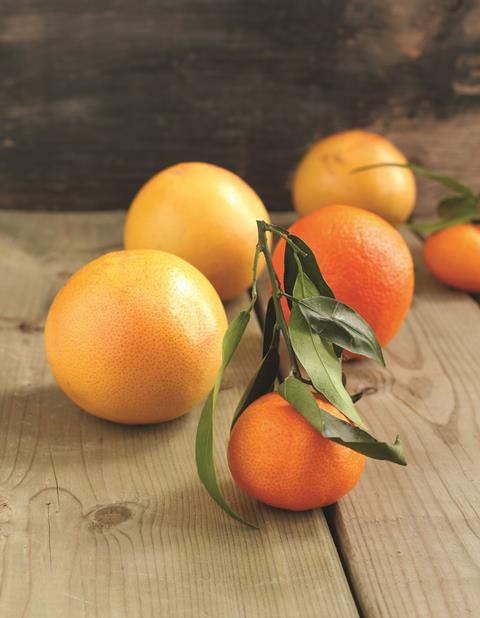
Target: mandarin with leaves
303,444
365,261
206,215
452,248
278,458
136,336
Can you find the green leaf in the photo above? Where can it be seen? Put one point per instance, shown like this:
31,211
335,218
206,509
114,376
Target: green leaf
263,381
340,324
301,398
269,326
446,181
204,438
309,266
431,227
318,357
449,207
290,272
453,211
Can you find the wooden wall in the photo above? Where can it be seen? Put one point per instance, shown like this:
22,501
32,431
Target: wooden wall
96,95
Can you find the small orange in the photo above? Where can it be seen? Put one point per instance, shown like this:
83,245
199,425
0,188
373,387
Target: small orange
324,176
277,457
453,256
365,261
204,214
136,336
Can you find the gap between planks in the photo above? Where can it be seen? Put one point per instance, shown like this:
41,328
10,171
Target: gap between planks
410,537
98,519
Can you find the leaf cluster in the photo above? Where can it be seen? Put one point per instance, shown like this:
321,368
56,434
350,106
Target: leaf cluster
461,206
320,328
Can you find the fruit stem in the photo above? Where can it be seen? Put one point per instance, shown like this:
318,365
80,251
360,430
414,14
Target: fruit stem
279,231
276,292
258,250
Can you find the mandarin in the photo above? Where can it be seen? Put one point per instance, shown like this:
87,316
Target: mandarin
453,256
365,261
277,457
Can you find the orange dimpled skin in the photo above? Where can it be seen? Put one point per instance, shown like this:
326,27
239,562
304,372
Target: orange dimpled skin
365,261
453,256
277,457
136,336
206,215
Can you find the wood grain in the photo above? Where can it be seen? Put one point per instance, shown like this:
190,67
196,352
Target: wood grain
105,520
97,96
410,537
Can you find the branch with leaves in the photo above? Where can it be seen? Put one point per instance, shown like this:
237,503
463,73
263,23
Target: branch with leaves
462,206
319,328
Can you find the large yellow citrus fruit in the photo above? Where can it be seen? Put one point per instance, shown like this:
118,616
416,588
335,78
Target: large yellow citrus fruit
324,176
204,214
136,336
277,457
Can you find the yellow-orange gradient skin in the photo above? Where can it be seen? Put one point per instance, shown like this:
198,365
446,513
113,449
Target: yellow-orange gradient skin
277,457
324,177
136,336
365,261
204,214
453,256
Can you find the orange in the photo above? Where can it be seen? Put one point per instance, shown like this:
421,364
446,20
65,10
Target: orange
453,256
277,457
365,261
204,214
324,177
136,336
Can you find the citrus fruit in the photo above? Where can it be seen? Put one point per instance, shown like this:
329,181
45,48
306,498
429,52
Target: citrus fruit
365,261
324,176
204,214
277,457
136,336
453,256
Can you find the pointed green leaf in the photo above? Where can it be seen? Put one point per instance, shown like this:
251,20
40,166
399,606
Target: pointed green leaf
335,429
340,324
290,272
318,358
431,227
204,438
446,181
269,326
309,266
263,380
449,207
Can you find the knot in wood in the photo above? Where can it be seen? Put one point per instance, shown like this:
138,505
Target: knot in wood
112,515
5,511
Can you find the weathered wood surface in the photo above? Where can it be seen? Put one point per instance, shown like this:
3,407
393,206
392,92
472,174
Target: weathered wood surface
97,96
410,537
105,520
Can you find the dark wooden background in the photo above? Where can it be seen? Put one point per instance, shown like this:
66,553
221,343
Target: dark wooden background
97,95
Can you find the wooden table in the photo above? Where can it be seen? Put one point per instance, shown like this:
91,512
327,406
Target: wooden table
103,520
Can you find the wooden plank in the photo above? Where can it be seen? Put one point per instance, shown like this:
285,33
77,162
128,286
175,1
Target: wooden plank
97,96
105,520
410,537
